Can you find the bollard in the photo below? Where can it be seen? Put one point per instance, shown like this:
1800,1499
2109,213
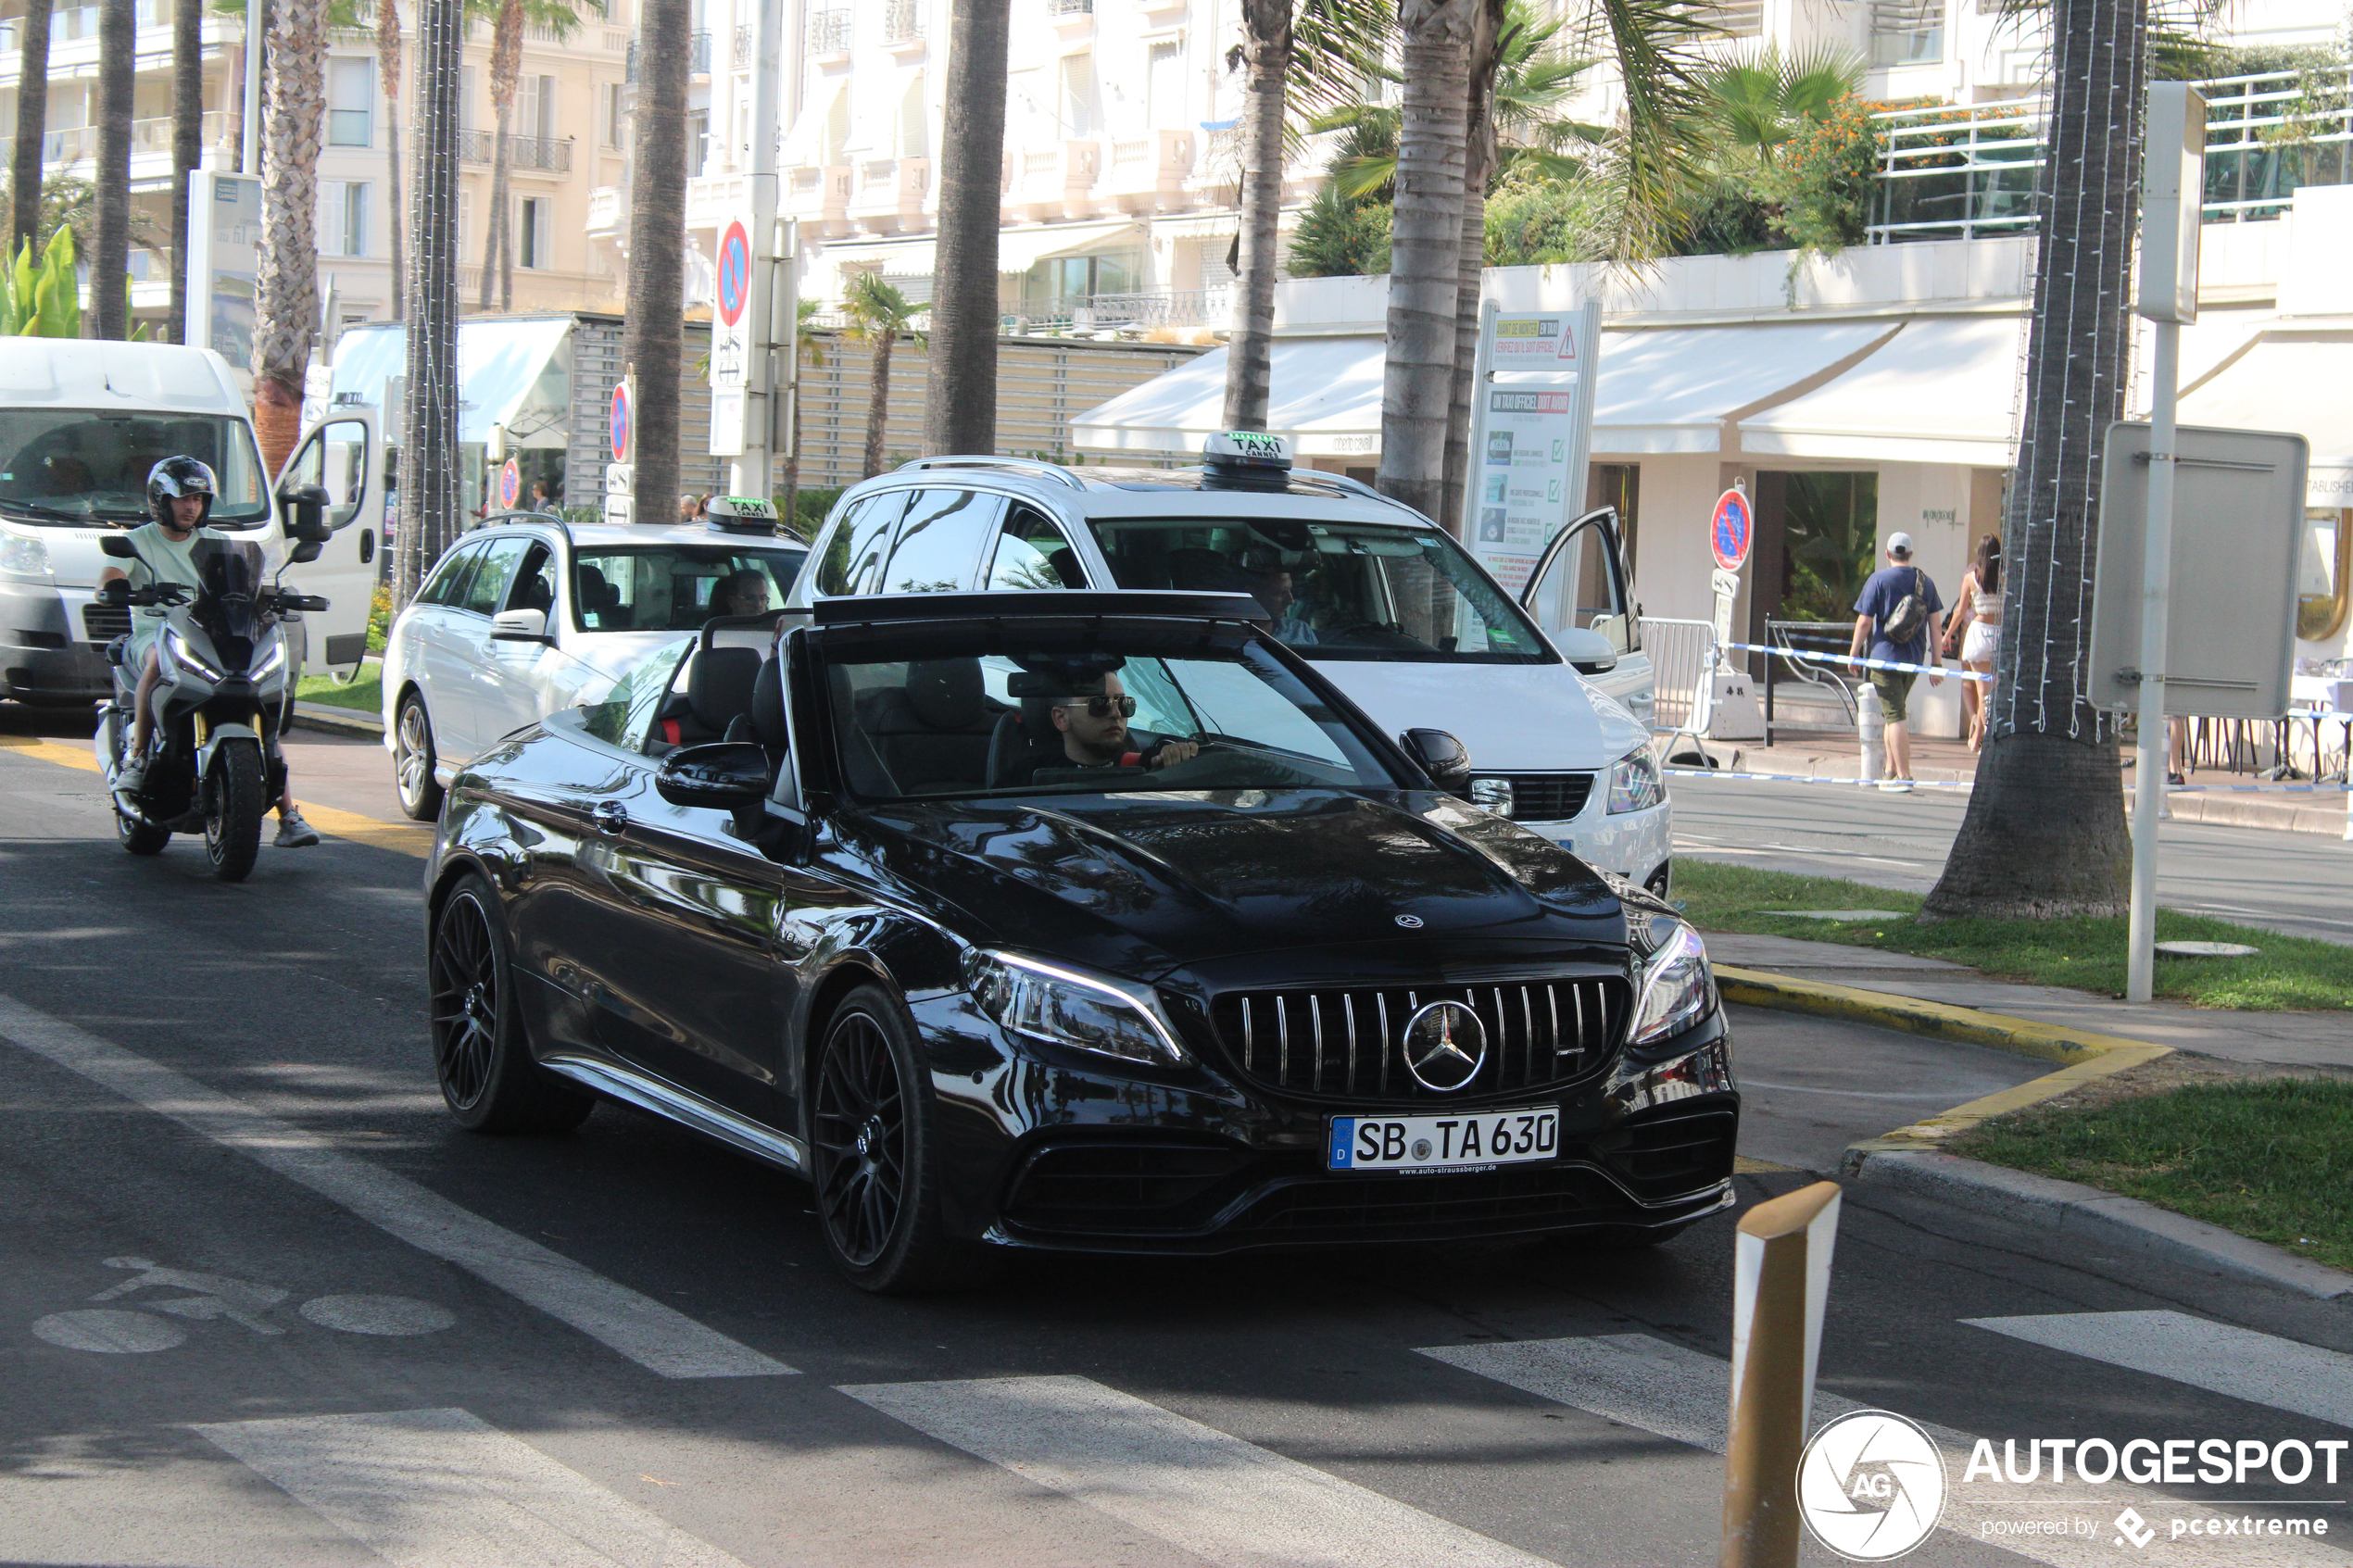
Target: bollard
1781,1277
1870,726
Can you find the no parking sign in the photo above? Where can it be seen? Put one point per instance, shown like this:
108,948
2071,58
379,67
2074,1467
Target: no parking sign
624,429
509,484
1730,531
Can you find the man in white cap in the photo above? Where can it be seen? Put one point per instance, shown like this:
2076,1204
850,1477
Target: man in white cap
1896,615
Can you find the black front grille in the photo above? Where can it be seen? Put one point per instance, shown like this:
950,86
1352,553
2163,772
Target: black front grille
1681,1151
1545,798
1352,1043
1510,1201
105,622
1122,1186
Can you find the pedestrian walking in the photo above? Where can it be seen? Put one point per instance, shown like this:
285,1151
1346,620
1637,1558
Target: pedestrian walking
1976,633
1895,617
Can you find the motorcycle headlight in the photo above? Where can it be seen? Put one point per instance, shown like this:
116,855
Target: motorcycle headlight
177,646
1678,989
1635,783
272,662
1066,1007
23,554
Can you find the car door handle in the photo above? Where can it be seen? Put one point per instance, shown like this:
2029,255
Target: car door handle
612,818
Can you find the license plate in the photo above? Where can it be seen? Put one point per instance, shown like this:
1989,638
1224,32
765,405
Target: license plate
1460,1142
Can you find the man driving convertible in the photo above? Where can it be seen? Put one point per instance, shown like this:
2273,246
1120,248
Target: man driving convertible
1092,719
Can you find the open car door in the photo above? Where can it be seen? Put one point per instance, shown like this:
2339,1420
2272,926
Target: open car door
341,455
1580,584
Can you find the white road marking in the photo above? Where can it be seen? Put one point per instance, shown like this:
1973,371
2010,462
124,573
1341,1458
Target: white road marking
2262,1369
657,1338
1212,1494
1683,1393
108,1332
439,1488
1749,1083
378,1314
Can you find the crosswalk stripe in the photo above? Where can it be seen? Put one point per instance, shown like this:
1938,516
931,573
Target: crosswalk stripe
2262,1369
1685,1394
1226,1501
440,1488
658,1337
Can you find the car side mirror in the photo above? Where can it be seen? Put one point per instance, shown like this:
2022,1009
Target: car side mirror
309,550
306,505
118,545
520,626
725,775
1442,756
1590,651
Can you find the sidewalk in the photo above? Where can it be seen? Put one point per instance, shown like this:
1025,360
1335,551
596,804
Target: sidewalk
2286,1039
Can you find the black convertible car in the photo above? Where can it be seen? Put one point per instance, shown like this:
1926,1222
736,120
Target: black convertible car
1084,921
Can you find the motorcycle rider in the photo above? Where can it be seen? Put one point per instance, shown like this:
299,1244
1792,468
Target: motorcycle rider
180,493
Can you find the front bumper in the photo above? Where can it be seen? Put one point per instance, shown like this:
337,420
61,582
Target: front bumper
45,656
1071,1156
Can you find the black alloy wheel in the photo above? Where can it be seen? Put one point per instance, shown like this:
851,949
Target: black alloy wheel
413,761
480,1054
874,1155
233,803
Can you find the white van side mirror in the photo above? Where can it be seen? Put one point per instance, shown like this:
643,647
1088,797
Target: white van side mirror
1590,651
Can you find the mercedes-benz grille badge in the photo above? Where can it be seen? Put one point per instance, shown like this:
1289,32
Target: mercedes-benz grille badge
1409,922
1445,1047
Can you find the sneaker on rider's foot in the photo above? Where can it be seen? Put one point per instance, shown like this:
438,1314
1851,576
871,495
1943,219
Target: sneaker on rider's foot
293,833
132,773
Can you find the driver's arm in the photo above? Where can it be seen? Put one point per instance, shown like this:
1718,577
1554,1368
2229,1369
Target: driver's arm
1174,751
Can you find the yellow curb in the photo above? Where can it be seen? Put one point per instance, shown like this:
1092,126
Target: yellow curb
1743,1165
2084,1055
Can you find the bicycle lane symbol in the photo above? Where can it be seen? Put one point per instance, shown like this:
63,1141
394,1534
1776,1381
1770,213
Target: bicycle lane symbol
138,1330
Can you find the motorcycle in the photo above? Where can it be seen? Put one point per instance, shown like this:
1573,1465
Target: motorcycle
224,684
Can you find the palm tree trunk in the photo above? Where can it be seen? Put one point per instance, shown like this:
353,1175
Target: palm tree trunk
1479,166
286,305
960,414
429,448
187,145
506,66
1424,280
878,402
2045,836
1267,49
32,127
653,340
388,72
110,254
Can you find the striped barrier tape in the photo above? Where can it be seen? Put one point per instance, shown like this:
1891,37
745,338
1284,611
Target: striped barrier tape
2338,788
1866,663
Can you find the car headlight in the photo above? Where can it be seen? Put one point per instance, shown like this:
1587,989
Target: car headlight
23,555
1635,783
177,646
1678,989
1066,1007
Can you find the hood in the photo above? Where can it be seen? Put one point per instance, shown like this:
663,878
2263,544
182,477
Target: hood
1137,884
1513,718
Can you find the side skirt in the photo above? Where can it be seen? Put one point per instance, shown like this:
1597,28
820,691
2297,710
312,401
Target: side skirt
687,1109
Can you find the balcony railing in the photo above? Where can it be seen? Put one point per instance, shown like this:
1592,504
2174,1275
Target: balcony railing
548,154
698,54
902,22
1070,7
1966,171
829,33
147,137
739,58
1136,311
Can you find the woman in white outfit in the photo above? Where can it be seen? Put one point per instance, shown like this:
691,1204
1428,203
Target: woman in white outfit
1976,633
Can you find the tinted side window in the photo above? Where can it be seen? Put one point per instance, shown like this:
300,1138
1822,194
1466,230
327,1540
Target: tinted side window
489,584
852,562
1032,552
939,541
444,586
627,716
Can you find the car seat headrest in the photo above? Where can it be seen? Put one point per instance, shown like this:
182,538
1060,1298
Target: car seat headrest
768,706
719,685
946,693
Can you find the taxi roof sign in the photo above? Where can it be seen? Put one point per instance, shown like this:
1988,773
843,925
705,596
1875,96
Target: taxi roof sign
742,514
1246,449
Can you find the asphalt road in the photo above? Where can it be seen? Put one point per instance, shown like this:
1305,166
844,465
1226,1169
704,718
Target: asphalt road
2290,882
262,1304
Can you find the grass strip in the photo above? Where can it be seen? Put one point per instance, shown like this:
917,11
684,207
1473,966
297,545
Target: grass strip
2271,1158
366,693
2288,974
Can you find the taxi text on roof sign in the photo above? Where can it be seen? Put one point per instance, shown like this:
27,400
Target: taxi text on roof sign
1247,448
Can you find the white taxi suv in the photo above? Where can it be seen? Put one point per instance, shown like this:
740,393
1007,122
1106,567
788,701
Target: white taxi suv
529,616
1384,602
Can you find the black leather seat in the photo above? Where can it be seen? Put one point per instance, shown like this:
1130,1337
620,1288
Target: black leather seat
719,692
600,599
768,709
933,732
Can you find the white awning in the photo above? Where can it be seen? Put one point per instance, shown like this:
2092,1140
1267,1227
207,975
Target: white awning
1942,391
500,363
1020,249
897,258
1671,389
2289,381
1325,399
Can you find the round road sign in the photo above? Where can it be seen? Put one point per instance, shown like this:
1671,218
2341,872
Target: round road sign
1730,529
509,484
623,415
735,273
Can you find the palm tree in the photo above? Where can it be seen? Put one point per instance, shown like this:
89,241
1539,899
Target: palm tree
187,145
1755,106
878,314
2045,836
389,73
110,258
428,446
1266,55
959,412
506,72
808,350
32,125
653,337
285,285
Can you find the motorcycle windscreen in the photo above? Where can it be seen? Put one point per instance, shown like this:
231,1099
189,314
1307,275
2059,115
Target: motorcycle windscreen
230,573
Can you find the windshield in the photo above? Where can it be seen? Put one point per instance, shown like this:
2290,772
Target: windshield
678,587
963,712
1333,590
74,466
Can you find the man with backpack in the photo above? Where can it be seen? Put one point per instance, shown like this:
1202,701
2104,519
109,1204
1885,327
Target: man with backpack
1896,615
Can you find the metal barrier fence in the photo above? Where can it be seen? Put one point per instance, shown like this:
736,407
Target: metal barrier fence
1683,660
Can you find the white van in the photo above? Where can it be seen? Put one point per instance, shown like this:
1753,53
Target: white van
1389,606
80,425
